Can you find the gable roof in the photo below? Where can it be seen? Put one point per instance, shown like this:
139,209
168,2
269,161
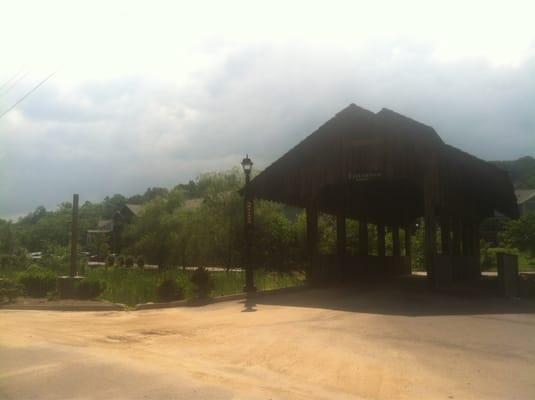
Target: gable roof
135,209
523,195
357,144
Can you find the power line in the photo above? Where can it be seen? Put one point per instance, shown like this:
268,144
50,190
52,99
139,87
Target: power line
9,87
10,79
27,94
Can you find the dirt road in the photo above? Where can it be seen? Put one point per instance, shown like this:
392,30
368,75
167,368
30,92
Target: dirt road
373,343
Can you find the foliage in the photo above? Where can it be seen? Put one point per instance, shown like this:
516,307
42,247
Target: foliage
134,286
55,258
520,233
17,261
276,240
202,282
129,262
119,261
169,290
8,239
154,233
150,194
10,290
37,281
485,255
140,261
110,260
89,289
110,205
522,171
99,245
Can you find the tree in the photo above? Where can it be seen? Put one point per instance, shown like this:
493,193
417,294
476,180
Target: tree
111,205
154,233
520,233
8,241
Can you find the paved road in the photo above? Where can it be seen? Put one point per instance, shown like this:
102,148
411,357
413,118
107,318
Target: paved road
369,342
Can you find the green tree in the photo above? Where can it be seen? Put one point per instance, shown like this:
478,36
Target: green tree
154,233
520,233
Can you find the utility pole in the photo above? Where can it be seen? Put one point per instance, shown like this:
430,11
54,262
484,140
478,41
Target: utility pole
74,236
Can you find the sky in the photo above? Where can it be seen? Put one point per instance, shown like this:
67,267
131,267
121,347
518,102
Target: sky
155,93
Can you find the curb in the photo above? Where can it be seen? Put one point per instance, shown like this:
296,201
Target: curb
53,307
149,306
217,299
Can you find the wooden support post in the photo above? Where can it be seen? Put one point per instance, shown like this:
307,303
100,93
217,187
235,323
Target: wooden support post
363,237
430,198
74,236
468,249
455,238
408,244
312,241
381,240
445,235
341,243
396,251
477,253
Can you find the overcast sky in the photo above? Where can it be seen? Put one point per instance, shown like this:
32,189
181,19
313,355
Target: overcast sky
153,93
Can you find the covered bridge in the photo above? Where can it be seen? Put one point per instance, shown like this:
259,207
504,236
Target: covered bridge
386,170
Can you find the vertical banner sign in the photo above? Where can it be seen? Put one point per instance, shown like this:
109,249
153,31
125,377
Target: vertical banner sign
249,212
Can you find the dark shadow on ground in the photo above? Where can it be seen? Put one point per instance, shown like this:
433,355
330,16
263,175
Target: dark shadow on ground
408,296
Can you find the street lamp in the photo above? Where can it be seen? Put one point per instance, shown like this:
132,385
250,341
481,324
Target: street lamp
248,212
247,166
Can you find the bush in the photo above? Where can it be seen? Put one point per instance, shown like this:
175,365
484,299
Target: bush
37,281
88,289
140,261
9,290
202,282
7,261
110,260
129,262
119,261
14,261
520,233
169,290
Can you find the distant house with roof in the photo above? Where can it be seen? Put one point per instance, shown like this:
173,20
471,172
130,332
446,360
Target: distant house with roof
112,229
525,200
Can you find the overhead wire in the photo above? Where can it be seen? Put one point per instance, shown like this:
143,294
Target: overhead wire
10,79
9,87
27,94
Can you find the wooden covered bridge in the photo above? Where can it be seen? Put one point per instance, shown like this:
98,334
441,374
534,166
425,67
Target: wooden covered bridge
386,170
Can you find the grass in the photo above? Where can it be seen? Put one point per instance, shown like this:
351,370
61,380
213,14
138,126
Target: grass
526,263
134,286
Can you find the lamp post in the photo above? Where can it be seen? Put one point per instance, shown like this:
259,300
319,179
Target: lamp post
247,166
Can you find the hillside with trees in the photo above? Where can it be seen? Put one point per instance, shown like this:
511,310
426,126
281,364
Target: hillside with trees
521,171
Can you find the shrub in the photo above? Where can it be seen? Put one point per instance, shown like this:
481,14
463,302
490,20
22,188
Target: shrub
83,263
14,261
129,262
169,290
202,282
520,233
37,281
9,290
52,295
110,260
7,261
140,261
119,261
89,289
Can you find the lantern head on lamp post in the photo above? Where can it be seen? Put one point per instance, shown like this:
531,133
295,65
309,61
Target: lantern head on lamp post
247,166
